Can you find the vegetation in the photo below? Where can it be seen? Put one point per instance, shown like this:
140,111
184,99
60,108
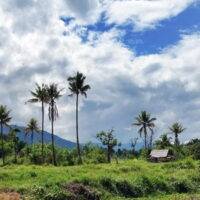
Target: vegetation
176,129
164,142
77,86
108,139
28,168
127,179
32,127
4,120
145,122
53,94
40,95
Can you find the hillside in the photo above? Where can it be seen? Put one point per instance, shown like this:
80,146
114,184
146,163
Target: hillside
127,180
60,142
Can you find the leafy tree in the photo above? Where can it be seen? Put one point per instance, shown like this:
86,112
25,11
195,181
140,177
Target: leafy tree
16,143
133,144
163,142
53,94
32,127
40,96
109,140
194,148
77,86
176,129
145,122
4,120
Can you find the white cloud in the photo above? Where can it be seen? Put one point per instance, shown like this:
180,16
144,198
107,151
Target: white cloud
144,13
33,49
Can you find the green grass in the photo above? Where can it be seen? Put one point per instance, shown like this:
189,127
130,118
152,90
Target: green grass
121,181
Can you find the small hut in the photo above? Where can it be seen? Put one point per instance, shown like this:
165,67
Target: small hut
161,155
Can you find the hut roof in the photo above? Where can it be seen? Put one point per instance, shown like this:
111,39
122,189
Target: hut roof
159,153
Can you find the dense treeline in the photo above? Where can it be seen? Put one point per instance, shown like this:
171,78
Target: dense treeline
16,151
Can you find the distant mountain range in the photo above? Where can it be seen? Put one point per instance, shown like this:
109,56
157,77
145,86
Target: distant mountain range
60,142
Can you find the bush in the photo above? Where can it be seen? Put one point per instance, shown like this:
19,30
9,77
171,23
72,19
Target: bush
53,193
125,189
182,186
80,192
109,184
144,154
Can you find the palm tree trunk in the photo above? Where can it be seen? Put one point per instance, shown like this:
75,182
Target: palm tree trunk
145,137
77,135
176,142
32,137
108,155
2,144
42,132
52,135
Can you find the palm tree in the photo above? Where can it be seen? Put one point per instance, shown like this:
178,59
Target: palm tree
145,122
53,94
163,142
31,127
40,95
77,86
176,129
4,120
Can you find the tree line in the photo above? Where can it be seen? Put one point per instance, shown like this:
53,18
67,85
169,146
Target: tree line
49,95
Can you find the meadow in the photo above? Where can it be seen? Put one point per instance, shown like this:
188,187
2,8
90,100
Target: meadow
127,179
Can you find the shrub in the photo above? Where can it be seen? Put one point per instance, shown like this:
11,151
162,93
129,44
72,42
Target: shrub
108,184
53,193
125,189
182,186
80,192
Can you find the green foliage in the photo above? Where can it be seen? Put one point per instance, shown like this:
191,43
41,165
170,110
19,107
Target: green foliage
45,193
145,123
193,148
163,142
176,129
93,154
108,139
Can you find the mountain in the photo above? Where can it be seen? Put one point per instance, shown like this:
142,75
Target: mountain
60,142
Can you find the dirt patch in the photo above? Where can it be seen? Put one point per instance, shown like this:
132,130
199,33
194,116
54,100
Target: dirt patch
79,191
9,196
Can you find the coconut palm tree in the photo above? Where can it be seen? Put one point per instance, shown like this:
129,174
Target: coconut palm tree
32,127
53,94
145,122
176,129
4,120
77,86
163,142
40,96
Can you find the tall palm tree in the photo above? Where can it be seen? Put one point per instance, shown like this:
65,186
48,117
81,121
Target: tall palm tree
53,94
77,86
145,122
40,95
32,127
4,120
176,129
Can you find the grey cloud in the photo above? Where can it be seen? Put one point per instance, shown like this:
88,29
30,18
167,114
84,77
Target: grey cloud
152,68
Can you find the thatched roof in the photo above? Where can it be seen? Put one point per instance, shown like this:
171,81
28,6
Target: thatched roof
159,153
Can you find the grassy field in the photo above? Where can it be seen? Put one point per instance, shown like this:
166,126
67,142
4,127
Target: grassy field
126,180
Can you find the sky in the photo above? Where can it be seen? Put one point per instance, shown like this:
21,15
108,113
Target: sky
136,54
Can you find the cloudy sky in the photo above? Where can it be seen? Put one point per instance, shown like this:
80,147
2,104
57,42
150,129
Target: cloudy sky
137,55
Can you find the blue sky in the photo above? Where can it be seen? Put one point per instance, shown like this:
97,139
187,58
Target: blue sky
136,55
